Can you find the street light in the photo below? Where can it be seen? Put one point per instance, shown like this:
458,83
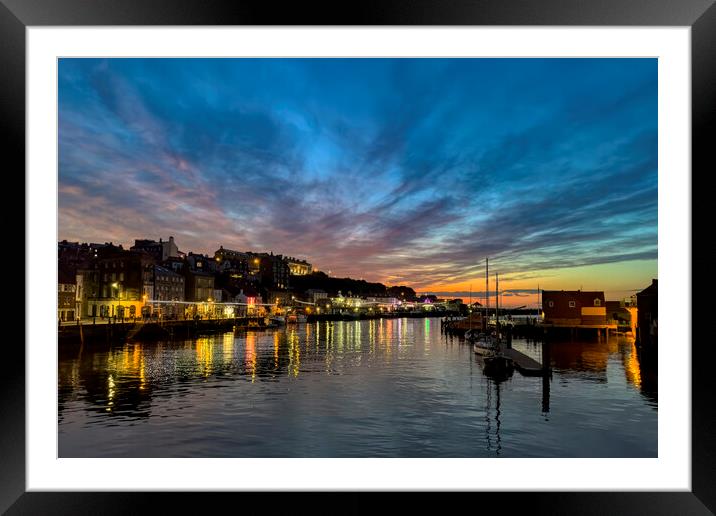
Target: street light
119,298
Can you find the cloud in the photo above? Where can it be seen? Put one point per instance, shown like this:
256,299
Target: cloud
407,171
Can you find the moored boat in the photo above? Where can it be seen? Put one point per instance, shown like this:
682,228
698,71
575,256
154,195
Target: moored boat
498,366
486,346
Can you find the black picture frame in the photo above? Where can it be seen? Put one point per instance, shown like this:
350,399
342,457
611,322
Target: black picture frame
17,15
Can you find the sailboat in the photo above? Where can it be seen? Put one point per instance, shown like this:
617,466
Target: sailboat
497,365
484,344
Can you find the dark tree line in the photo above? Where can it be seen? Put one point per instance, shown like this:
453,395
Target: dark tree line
348,287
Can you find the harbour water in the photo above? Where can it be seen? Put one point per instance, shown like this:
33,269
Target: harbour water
374,388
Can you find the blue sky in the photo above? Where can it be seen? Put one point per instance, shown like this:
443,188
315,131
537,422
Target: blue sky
406,171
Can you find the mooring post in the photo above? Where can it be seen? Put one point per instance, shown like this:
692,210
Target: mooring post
545,375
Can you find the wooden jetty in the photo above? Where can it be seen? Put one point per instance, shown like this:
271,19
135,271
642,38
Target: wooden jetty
576,329
527,366
460,326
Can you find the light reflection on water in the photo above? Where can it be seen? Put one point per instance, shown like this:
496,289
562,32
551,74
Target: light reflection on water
378,388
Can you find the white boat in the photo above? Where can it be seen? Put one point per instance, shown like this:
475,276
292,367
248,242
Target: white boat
486,345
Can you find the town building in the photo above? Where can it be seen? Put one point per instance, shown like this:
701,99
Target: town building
75,255
250,296
232,262
78,265
199,286
87,287
122,283
347,302
66,295
230,254
387,302
167,285
298,267
273,270
247,299
201,262
159,250
623,314
647,302
279,297
315,295
574,308
176,264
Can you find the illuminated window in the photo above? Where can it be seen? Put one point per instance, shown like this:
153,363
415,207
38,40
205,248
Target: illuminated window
572,304
597,302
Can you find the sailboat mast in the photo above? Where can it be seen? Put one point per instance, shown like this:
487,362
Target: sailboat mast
487,287
487,295
497,301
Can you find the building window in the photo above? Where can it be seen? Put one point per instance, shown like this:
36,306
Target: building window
597,302
550,304
572,304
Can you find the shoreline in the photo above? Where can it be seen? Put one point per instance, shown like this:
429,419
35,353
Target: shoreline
113,332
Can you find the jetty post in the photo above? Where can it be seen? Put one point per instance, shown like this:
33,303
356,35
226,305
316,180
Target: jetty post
546,374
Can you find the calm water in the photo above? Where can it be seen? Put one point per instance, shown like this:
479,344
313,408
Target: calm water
385,388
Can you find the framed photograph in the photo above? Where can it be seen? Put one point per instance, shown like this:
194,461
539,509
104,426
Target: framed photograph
414,249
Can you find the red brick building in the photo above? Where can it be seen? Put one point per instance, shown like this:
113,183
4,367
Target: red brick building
574,308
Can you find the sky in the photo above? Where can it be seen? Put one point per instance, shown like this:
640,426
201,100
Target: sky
404,171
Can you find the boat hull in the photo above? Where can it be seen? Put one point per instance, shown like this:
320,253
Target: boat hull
482,351
498,366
